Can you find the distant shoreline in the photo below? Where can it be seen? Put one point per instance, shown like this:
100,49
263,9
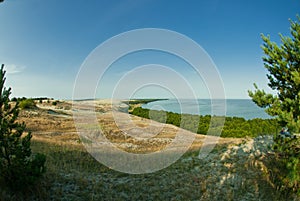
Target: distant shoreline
142,101
236,127
244,108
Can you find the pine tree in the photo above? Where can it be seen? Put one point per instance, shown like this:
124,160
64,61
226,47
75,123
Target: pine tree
283,64
18,166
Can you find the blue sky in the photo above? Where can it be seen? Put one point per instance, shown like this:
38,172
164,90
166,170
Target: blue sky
44,43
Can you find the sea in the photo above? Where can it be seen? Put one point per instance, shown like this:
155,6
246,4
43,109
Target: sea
245,108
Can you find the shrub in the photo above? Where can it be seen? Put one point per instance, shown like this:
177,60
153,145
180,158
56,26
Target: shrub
27,104
14,99
288,158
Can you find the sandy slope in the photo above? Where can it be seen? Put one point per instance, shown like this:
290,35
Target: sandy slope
128,132
232,172
139,134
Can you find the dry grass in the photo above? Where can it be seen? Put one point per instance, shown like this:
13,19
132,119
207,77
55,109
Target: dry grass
73,174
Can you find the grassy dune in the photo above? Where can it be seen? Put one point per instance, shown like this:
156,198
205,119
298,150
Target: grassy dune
234,170
72,174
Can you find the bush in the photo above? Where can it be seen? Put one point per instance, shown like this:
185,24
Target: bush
27,104
14,99
287,152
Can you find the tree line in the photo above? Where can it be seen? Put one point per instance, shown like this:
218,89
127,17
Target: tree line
233,126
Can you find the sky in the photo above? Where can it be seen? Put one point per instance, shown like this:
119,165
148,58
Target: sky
45,44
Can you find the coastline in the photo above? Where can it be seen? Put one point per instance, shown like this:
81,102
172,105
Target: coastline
244,108
236,127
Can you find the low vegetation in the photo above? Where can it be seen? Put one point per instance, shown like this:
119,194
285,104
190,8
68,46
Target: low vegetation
141,101
233,127
27,104
73,174
286,164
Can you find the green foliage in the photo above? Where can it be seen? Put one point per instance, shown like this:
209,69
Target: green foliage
282,62
233,127
18,166
141,101
14,99
27,104
288,159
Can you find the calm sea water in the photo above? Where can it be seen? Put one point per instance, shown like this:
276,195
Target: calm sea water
231,107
